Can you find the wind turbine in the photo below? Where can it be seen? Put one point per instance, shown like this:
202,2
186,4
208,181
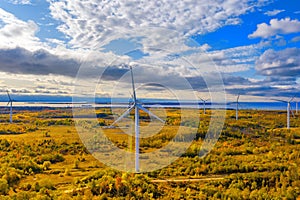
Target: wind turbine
288,110
10,101
237,107
136,106
204,101
297,107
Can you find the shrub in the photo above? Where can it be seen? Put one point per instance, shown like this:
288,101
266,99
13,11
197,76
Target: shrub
46,165
76,164
4,144
27,166
4,187
26,187
50,157
46,183
12,177
67,172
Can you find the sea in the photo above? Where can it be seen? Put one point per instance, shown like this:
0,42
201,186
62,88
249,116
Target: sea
148,103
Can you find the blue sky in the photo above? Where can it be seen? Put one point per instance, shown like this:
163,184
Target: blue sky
253,45
237,35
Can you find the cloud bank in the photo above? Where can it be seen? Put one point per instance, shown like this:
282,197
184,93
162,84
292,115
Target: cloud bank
279,63
282,26
89,22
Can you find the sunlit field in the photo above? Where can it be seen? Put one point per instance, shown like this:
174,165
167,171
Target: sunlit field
256,157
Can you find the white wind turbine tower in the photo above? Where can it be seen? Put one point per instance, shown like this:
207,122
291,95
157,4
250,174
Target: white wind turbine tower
237,107
136,106
288,110
204,103
10,101
297,107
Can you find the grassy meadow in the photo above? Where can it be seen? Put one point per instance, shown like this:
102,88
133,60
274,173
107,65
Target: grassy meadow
256,157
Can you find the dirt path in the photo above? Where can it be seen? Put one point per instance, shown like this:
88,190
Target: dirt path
187,179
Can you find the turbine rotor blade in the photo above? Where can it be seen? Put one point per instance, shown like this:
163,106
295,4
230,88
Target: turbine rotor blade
279,100
291,99
291,110
123,115
205,100
150,113
131,100
293,113
201,98
133,88
8,96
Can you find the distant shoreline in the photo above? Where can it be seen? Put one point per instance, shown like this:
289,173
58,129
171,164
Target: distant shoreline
276,106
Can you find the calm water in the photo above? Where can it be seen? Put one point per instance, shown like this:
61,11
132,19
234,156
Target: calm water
156,103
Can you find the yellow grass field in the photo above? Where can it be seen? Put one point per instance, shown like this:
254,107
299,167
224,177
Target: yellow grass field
256,157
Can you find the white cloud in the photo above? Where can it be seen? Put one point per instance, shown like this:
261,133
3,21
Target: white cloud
237,59
86,23
43,84
16,32
54,41
283,26
91,24
23,2
279,63
205,47
295,39
273,12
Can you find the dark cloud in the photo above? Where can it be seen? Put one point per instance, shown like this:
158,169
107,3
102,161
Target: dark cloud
264,91
198,83
268,87
41,62
281,69
211,82
113,73
235,80
254,90
282,80
23,90
154,87
279,63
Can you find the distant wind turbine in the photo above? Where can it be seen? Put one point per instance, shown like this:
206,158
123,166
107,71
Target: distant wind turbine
288,110
10,101
297,107
237,107
204,102
136,106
